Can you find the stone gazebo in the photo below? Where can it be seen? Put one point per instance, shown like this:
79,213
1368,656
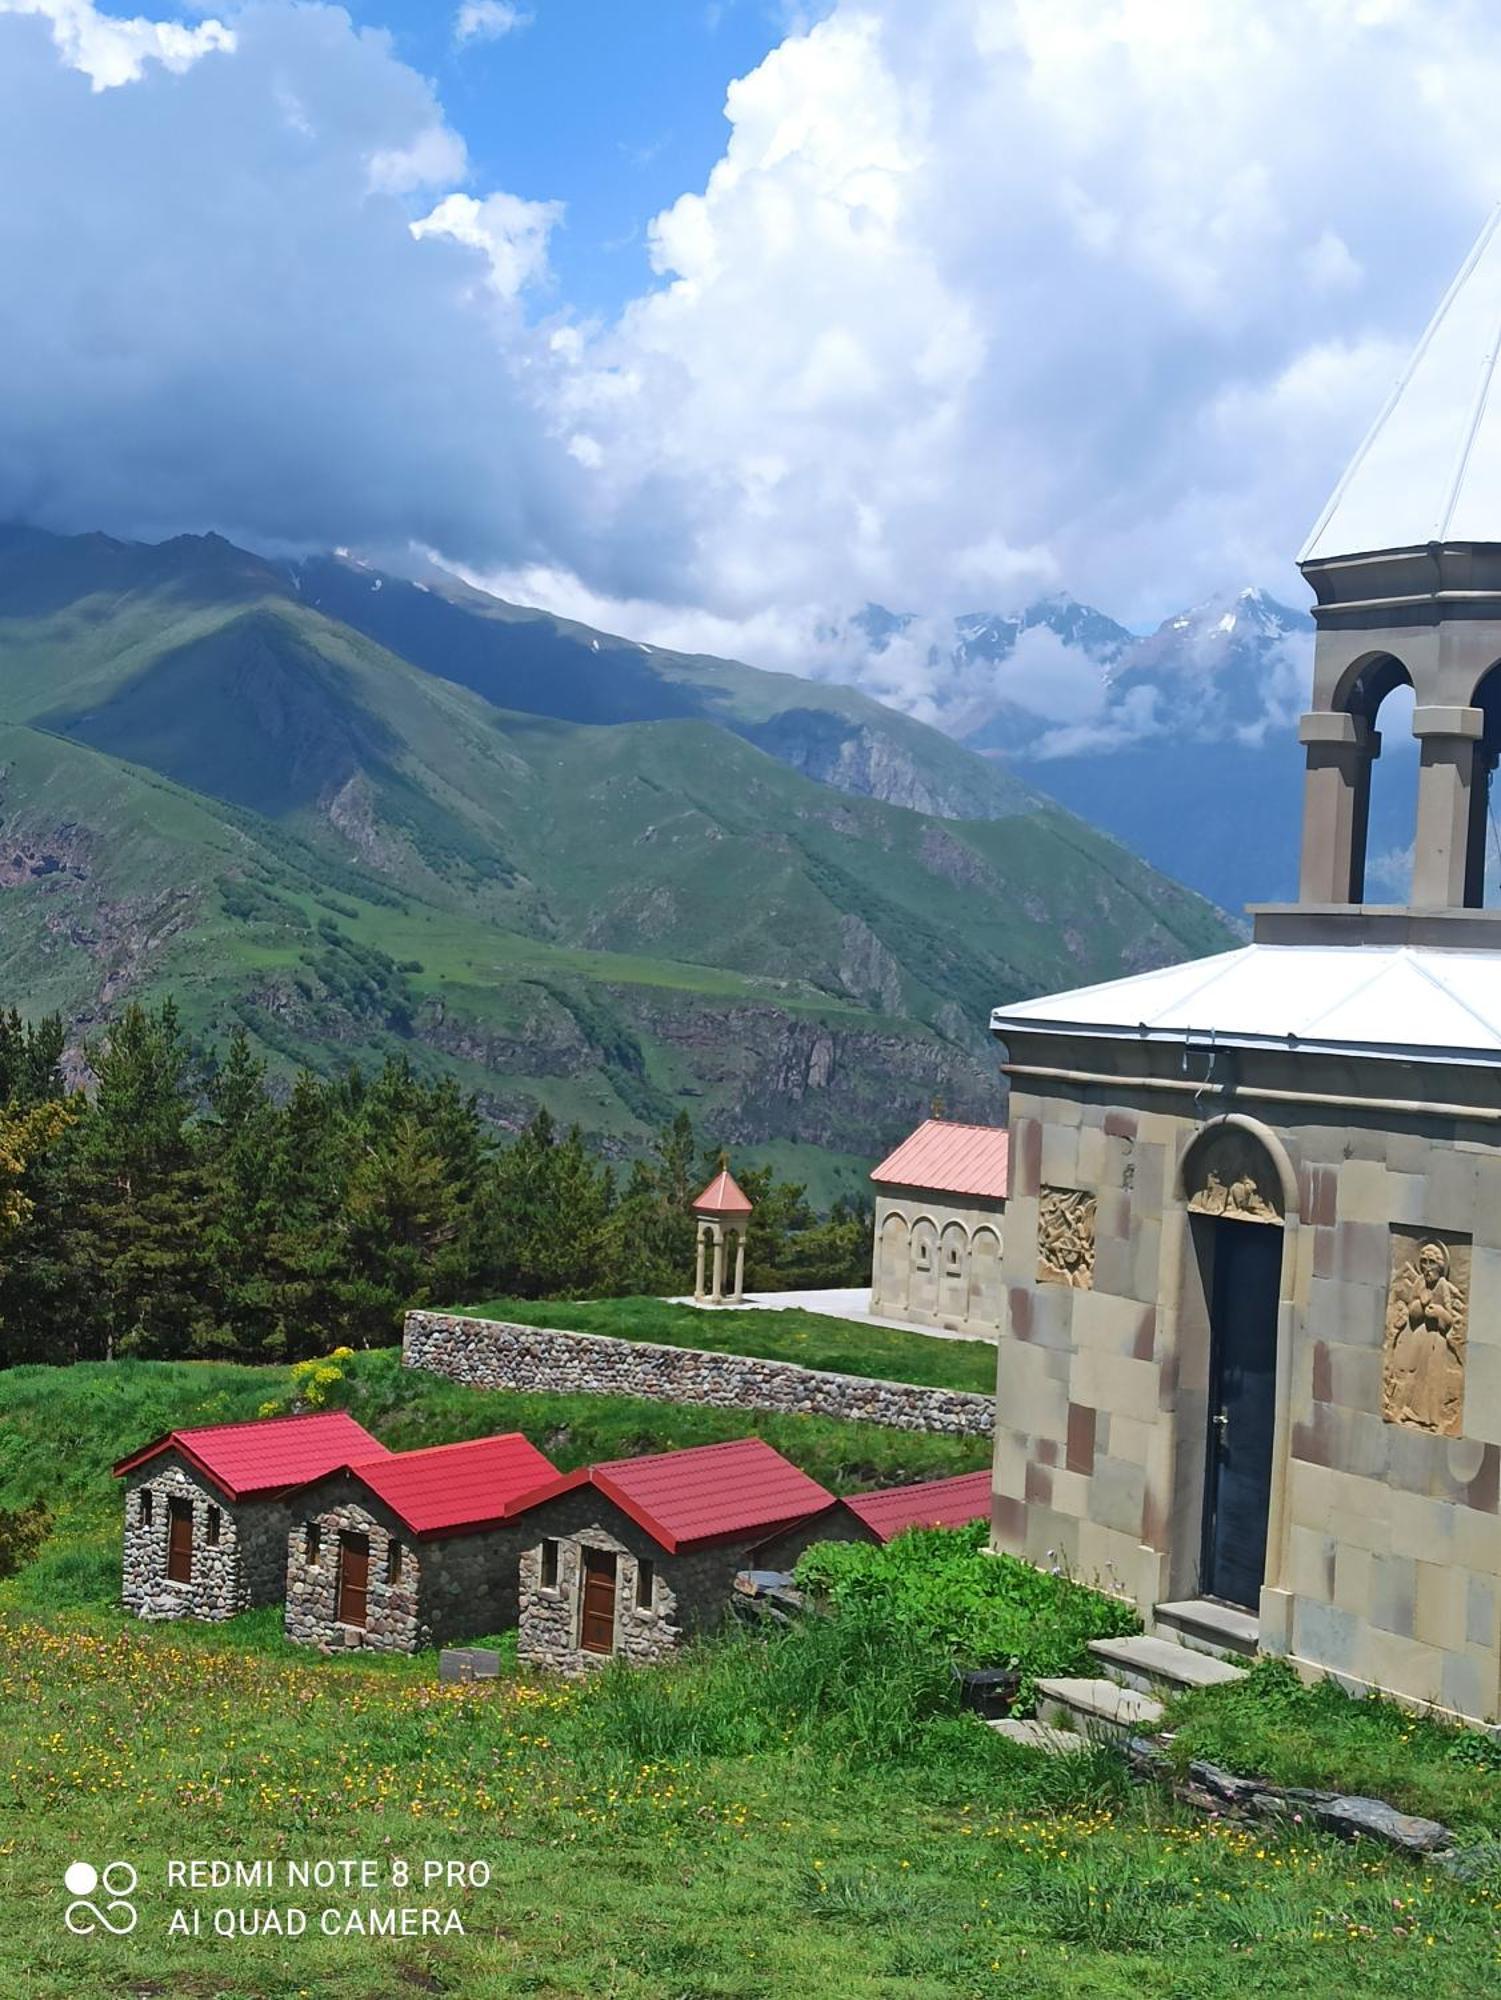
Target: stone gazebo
723,1213
1250,1361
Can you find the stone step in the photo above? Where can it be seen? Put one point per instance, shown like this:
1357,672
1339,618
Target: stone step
1097,1708
1205,1626
1161,1666
1038,1736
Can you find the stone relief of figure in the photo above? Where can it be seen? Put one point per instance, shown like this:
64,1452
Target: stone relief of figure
1065,1238
1229,1186
1423,1381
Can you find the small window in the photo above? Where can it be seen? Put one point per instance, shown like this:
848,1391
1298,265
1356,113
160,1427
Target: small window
393,1561
211,1528
953,1257
314,1544
922,1255
145,1507
549,1565
646,1584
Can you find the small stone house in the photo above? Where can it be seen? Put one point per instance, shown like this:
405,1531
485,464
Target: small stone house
940,1199
882,1516
412,1549
629,1558
205,1514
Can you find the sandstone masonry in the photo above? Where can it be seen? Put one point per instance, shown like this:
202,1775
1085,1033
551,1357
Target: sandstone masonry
496,1354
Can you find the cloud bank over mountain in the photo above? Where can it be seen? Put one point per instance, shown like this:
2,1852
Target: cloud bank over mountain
985,298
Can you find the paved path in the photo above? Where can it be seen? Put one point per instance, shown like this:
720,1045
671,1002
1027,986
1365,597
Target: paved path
853,1304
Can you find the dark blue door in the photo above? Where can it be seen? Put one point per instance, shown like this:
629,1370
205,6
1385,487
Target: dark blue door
1242,1373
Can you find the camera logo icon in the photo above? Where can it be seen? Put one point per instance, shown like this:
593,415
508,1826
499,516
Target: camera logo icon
118,1881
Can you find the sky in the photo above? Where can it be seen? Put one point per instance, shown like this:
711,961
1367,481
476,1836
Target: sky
713,322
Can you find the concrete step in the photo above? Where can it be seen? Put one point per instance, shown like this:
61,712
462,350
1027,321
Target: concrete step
1097,1708
1161,1666
1038,1736
1205,1626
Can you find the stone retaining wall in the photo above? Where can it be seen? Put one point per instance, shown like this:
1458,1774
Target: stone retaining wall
496,1354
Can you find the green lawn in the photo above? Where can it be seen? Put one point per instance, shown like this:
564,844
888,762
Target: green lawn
957,1867
812,1819
816,1340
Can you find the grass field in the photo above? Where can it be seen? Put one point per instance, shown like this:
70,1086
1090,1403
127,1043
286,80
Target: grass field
816,1340
747,1824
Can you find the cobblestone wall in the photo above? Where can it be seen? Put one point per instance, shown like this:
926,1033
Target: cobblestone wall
689,1592
459,1587
495,1354
243,1567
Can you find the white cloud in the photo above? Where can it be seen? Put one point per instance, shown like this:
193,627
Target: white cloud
488,20
109,51
216,315
510,233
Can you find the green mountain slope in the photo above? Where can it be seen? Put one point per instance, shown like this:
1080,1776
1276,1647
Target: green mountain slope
209,784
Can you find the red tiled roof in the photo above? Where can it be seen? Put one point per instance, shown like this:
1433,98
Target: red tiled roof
709,1493
949,1159
447,1489
722,1197
266,1454
936,1503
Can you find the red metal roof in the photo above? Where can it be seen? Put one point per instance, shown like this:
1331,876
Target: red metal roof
722,1197
266,1454
935,1503
949,1159
692,1499
447,1489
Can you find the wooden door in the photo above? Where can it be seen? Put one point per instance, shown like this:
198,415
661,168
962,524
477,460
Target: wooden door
180,1541
354,1578
1243,1366
597,1609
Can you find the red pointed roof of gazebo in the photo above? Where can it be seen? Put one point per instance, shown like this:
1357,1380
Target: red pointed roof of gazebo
722,1197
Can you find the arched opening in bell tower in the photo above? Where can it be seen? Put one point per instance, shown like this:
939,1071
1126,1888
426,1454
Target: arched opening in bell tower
1483,853
1379,817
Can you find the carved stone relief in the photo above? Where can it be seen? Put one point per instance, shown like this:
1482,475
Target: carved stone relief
1427,1309
1229,1175
1065,1238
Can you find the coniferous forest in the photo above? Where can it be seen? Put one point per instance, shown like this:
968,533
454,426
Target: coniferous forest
181,1206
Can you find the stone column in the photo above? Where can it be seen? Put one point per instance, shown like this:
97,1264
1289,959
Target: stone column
739,1291
717,1296
1336,805
698,1272
1450,739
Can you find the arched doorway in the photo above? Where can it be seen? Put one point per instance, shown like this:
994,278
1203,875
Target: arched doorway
1234,1195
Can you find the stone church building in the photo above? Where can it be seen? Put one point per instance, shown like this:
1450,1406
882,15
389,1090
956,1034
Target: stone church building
1250,1359
940,1199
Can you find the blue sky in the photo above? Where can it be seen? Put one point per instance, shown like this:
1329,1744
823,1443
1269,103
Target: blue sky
614,107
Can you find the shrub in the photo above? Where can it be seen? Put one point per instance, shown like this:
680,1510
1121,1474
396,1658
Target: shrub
938,1590
22,1532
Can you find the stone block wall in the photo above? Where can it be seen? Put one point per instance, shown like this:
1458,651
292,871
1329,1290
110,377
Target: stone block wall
937,1260
245,1567
690,1592
495,1354
1383,1561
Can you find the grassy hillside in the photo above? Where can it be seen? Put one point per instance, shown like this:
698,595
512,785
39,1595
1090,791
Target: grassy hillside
210,785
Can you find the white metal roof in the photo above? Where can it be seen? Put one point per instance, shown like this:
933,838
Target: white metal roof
1378,1000
1430,467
